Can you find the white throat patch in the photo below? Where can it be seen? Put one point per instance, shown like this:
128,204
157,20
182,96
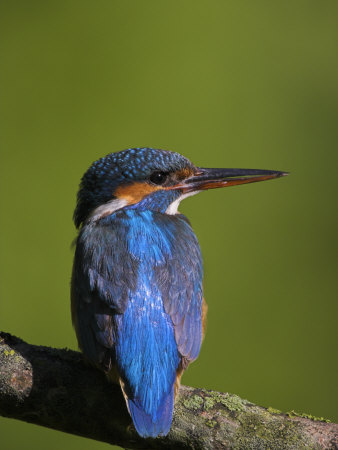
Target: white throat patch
173,207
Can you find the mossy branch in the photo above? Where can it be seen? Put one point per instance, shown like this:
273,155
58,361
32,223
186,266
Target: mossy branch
56,389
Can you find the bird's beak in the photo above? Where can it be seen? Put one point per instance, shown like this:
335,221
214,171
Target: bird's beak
216,178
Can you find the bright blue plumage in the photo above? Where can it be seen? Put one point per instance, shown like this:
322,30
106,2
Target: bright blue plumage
161,320
145,424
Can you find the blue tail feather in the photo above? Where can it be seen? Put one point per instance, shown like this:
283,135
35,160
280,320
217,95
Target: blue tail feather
157,424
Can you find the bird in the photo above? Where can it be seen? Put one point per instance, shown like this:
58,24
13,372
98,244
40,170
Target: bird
137,282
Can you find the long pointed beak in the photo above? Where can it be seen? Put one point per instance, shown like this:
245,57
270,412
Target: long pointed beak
217,178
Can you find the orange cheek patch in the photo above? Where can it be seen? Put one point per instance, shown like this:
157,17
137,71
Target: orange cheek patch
134,193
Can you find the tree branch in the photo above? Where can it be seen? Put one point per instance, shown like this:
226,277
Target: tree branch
56,389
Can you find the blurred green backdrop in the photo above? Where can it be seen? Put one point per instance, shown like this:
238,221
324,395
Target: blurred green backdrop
228,84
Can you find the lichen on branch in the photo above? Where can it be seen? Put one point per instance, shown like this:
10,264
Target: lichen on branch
55,388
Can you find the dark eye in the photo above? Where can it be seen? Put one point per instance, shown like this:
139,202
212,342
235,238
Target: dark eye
158,177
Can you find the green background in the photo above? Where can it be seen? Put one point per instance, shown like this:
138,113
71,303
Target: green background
227,84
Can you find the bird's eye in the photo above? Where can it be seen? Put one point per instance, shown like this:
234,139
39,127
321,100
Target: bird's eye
158,177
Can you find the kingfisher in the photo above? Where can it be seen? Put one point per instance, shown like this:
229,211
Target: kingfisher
136,292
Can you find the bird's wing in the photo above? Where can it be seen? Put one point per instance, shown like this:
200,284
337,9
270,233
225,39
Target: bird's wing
180,281
102,276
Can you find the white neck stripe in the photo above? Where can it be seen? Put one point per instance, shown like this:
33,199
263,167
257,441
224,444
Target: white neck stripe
107,209
173,207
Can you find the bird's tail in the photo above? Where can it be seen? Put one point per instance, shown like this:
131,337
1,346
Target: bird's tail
156,424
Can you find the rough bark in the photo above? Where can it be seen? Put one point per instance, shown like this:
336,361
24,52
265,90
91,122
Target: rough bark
56,389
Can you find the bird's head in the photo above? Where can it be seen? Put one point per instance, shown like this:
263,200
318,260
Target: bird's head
148,178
